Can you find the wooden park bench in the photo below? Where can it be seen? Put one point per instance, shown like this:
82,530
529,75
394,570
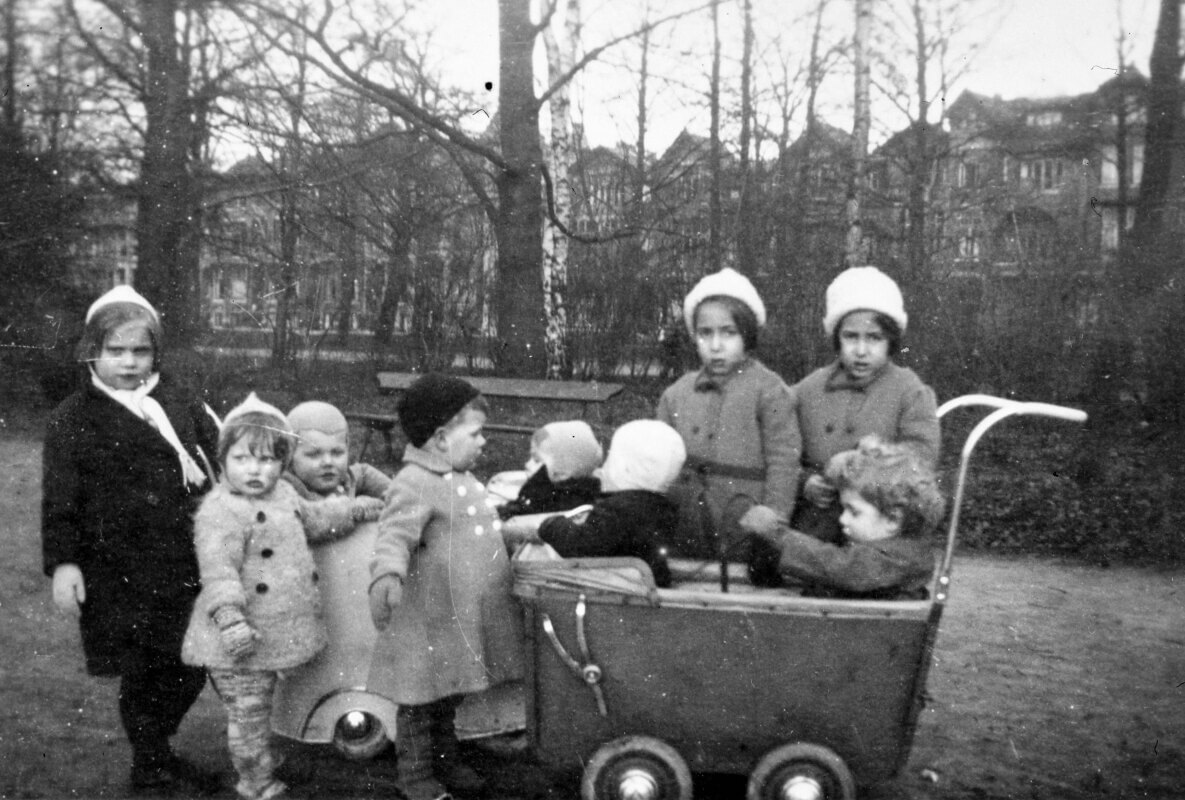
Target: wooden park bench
588,394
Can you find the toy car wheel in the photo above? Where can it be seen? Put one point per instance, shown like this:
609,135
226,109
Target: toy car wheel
801,771
359,736
636,768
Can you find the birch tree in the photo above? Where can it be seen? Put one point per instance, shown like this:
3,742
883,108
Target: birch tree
862,120
561,55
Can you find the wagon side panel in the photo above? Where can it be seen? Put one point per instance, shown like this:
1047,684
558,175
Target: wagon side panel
725,685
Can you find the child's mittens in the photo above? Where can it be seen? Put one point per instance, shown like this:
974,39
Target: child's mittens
366,509
236,634
385,594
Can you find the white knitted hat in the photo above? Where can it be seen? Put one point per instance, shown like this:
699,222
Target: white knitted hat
729,283
254,404
569,449
121,294
863,289
314,415
644,454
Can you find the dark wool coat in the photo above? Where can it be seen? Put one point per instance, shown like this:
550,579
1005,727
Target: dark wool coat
889,569
631,523
540,495
113,503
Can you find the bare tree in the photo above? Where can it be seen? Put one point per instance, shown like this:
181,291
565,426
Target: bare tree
862,119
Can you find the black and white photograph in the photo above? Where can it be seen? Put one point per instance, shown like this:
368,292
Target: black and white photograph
592,399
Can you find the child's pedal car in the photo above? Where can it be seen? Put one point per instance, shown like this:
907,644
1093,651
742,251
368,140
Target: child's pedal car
809,697
327,699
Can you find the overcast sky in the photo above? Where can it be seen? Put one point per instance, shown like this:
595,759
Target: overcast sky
1029,48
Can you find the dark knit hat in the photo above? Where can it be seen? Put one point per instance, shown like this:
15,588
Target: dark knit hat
430,403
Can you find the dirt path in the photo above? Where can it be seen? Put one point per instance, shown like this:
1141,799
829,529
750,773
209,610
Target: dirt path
1051,681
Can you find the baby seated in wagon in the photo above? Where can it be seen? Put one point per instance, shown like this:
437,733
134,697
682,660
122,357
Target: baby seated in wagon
891,504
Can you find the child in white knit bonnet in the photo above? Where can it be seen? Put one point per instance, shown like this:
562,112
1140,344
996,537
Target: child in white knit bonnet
560,473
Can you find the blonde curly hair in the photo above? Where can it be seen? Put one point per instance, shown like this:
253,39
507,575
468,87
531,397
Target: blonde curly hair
894,480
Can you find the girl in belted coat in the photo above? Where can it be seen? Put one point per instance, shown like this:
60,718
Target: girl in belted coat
862,393
259,611
735,416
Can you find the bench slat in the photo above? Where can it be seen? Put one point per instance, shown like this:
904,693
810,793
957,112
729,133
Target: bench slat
579,391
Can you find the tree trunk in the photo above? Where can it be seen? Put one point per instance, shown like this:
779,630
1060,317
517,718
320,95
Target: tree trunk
560,58
167,229
919,162
518,291
854,247
715,246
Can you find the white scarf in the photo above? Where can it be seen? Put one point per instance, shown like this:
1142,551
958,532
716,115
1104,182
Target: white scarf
148,409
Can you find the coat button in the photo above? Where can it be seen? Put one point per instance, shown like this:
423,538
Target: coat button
267,552
261,588
829,428
316,577
849,430
261,517
152,499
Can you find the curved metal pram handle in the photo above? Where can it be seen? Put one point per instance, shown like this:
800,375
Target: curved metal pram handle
1004,408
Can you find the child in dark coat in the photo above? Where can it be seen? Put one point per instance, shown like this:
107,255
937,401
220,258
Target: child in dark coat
890,502
125,464
634,516
560,473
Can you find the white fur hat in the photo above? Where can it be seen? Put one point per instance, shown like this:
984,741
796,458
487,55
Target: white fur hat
121,294
254,404
569,449
863,289
644,454
728,283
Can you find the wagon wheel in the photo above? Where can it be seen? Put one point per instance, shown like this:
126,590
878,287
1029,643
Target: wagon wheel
359,736
801,771
636,768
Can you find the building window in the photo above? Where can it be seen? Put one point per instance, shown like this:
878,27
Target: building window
1044,119
966,175
969,246
1044,173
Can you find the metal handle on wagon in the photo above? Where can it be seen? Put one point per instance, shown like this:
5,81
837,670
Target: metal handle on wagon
1004,408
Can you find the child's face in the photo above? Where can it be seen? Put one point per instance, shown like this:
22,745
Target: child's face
718,340
863,345
248,473
320,460
862,521
461,443
125,361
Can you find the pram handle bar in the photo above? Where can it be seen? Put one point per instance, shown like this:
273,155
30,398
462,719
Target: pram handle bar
1004,408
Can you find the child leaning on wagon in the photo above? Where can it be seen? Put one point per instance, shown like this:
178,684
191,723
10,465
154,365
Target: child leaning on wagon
321,465
862,393
560,472
633,517
890,503
259,611
735,415
440,591
123,472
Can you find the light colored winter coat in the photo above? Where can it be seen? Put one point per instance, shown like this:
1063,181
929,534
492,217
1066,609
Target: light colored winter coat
740,433
253,554
834,413
457,629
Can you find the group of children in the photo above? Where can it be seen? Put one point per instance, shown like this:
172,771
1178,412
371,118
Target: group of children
181,541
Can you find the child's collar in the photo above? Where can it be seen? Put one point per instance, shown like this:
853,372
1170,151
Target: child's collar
433,462
705,382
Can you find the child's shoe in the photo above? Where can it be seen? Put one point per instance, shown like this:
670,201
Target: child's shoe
460,777
269,791
423,789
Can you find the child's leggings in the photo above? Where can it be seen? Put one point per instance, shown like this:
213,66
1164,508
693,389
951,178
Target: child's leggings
247,695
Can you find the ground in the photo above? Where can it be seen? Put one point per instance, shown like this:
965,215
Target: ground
1051,680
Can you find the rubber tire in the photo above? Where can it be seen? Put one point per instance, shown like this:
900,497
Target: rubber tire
821,762
365,748
653,755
